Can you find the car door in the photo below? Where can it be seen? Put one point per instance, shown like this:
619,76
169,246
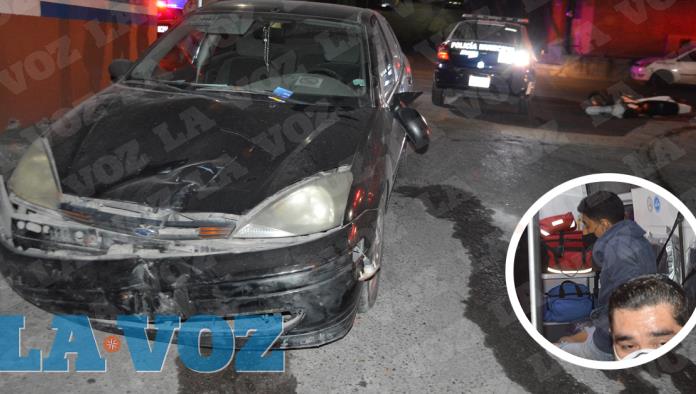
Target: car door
386,72
686,65
390,71
399,60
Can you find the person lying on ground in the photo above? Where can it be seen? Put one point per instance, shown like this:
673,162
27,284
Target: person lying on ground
628,107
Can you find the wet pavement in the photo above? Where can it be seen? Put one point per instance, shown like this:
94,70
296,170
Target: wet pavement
443,322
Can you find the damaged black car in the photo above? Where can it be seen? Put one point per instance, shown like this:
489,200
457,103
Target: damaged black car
241,166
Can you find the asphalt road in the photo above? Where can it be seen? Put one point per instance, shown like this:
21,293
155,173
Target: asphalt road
443,321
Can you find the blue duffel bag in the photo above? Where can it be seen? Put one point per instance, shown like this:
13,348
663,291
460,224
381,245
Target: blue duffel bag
568,302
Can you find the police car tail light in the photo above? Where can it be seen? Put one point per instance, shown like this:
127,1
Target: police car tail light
443,54
521,58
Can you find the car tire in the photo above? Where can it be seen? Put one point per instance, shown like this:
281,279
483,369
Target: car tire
438,96
369,289
523,105
661,79
368,293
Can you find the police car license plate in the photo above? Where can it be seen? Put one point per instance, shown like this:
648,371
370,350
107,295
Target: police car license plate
479,82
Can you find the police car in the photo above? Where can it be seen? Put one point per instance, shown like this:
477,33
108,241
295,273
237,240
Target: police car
168,13
486,53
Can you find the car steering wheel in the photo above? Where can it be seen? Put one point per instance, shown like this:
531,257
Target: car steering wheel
326,71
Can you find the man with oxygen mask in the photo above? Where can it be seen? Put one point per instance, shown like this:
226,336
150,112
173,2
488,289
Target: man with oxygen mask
644,314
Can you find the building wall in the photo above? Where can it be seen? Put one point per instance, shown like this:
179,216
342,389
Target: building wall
633,28
556,25
56,53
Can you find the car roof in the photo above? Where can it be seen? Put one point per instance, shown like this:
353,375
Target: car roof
306,8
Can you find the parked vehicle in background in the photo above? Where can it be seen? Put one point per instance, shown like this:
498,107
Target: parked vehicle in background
454,3
168,13
677,67
385,4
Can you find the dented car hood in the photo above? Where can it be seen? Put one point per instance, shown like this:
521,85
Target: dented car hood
199,152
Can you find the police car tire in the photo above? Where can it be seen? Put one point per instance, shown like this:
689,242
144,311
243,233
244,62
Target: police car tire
523,105
438,96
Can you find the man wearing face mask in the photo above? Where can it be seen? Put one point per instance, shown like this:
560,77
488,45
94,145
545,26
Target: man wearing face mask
621,253
644,313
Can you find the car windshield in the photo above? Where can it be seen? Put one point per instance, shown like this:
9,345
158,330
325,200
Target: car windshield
309,59
682,50
487,32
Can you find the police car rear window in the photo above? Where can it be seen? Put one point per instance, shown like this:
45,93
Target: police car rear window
486,32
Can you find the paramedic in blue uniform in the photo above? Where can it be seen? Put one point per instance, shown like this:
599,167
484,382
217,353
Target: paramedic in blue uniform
622,253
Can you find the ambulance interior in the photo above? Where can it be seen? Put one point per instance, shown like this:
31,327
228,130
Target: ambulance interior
537,276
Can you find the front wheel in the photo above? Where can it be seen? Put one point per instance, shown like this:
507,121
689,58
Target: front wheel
661,79
370,288
368,293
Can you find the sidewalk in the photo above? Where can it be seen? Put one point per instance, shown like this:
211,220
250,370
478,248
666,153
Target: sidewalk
586,67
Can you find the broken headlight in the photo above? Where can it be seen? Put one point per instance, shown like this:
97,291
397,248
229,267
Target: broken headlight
315,205
35,179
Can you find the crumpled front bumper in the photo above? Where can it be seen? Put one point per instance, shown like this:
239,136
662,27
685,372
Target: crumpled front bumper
314,284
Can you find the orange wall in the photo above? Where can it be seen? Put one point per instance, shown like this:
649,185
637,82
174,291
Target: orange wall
637,28
51,64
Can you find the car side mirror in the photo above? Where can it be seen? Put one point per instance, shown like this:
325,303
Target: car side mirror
417,128
406,97
118,68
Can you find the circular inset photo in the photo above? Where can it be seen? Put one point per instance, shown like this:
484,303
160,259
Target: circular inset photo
601,271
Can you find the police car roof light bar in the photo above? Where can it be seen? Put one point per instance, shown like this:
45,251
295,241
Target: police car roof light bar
496,18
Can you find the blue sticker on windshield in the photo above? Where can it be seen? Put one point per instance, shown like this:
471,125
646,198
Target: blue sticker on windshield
282,93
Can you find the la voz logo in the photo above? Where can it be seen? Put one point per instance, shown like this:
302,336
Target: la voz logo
74,335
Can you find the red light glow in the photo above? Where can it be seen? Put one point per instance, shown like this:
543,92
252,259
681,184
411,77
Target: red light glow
357,200
443,53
